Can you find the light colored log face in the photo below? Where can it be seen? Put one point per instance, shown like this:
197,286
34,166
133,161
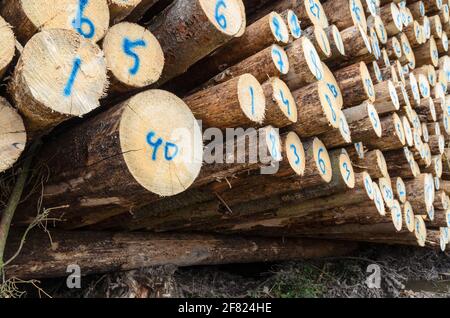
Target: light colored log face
12,135
322,160
88,17
225,15
59,75
295,153
133,55
408,215
161,142
7,46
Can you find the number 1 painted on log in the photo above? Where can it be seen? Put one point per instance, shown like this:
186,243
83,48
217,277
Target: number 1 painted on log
128,48
75,69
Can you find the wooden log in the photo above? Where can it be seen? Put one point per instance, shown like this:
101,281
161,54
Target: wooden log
432,6
436,166
137,250
216,23
336,45
120,9
270,29
377,24
427,54
281,107
320,41
308,12
391,17
417,9
408,131
420,193
317,112
7,49
345,13
400,163
399,189
97,171
436,26
374,163
393,48
408,51
341,138
424,86
293,23
139,11
305,64
444,14
426,110
89,18
239,102
356,44
387,100
437,145
413,34
12,137
355,84
68,84
364,123
133,56
392,132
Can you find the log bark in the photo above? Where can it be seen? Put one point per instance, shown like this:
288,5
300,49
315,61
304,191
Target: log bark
239,102
182,47
119,160
120,9
281,107
7,50
137,250
427,54
345,13
421,193
48,91
392,132
91,20
391,17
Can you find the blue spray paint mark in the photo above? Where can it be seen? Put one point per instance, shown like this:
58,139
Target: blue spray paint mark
322,165
345,165
220,17
171,150
314,9
128,47
285,102
75,69
357,11
333,113
280,60
297,160
296,26
276,24
167,148
82,20
317,70
252,95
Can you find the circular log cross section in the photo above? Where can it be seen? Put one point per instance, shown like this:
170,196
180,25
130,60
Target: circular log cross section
386,191
225,15
408,51
280,59
133,55
284,104
12,135
414,87
59,75
346,168
357,13
381,162
380,29
294,24
337,38
378,199
333,86
279,28
89,18
329,106
396,215
408,131
161,142
273,143
312,59
408,215
322,42
316,14
400,190
251,98
368,185
8,47
429,190
322,160
295,153
344,129
367,82
374,120
420,230
424,86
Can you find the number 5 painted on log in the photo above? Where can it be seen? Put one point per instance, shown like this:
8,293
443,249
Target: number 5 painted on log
128,47
220,17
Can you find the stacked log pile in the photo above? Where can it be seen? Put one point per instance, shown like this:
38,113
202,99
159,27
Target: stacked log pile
339,111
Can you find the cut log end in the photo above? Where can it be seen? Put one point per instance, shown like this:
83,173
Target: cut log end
59,75
408,214
133,55
7,49
280,59
284,99
400,190
420,230
161,142
295,153
346,168
279,28
251,98
226,16
322,160
12,135
294,24
397,215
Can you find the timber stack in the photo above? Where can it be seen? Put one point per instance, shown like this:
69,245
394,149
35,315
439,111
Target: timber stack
249,130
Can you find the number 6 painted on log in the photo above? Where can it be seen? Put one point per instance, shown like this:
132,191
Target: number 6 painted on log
81,20
220,17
